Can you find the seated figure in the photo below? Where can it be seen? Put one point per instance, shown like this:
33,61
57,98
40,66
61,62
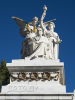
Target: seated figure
43,49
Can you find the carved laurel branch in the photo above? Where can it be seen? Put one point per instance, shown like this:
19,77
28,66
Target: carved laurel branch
35,76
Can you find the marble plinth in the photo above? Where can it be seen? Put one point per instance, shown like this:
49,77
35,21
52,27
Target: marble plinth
52,96
53,90
37,65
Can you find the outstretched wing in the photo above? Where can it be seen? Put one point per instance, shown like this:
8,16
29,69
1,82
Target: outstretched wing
21,23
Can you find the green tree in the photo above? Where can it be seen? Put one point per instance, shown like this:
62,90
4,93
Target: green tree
0,75
4,73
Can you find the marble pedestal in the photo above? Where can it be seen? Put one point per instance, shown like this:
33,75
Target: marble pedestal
53,89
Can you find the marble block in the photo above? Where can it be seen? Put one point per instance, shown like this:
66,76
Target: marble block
34,88
37,65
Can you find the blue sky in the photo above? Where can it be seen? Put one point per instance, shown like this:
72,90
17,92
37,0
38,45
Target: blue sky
62,10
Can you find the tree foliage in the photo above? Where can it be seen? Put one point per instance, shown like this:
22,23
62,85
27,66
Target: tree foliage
4,73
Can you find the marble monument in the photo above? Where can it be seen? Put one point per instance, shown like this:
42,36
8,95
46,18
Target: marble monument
39,74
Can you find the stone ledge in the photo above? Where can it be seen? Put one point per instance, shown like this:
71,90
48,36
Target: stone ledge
66,96
51,94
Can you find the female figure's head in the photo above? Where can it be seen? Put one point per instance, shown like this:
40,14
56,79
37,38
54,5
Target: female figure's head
51,26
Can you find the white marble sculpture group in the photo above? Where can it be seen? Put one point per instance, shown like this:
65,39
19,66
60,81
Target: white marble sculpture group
40,41
39,74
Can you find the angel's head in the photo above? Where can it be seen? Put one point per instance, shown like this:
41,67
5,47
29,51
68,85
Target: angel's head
51,25
35,21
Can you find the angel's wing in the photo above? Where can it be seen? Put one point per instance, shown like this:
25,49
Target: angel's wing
21,23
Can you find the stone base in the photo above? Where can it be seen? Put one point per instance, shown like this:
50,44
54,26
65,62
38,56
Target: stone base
37,65
52,90
52,96
33,89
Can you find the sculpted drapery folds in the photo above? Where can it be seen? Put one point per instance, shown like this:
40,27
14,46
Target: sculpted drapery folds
39,41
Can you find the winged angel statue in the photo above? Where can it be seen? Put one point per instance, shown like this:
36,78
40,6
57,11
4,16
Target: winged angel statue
40,41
